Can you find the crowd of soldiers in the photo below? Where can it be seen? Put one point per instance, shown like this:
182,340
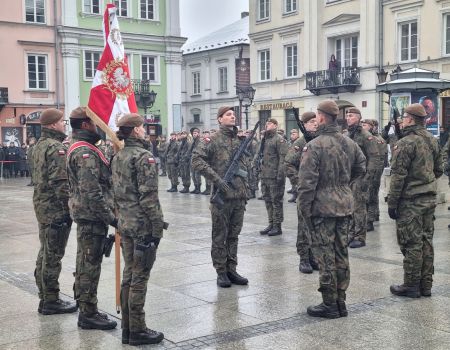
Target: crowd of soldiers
335,177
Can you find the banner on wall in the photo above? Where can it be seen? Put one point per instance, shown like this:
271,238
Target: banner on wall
429,100
13,135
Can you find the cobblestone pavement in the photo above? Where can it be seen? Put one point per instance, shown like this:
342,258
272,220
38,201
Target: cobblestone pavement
184,302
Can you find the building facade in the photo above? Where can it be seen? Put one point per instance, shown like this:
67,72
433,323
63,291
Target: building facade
213,67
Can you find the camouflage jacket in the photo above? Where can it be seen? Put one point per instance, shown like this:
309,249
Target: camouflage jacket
135,183
416,164
382,149
51,188
329,164
185,147
213,155
91,197
367,142
162,148
171,152
275,149
292,159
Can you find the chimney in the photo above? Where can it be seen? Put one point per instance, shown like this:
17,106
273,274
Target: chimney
244,14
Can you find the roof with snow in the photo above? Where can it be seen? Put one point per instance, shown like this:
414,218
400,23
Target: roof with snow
233,34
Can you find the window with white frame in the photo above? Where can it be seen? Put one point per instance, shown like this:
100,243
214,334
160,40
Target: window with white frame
447,33
223,79
147,9
37,72
408,41
122,7
347,51
290,6
264,65
35,11
263,9
148,68
196,83
91,59
91,6
291,60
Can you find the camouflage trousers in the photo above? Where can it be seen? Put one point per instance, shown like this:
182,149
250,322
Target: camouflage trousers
252,179
172,173
53,240
329,246
136,272
415,229
293,178
273,193
90,244
358,227
226,227
303,237
163,164
196,178
373,206
185,173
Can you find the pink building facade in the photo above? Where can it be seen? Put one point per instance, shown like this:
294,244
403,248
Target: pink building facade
30,69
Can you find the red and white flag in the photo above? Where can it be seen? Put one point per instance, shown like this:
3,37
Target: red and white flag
112,93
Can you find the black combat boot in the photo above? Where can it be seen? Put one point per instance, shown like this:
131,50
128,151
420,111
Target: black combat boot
370,227
425,288
95,321
266,230
58,307
406,291
313,262
260,198
125,336
163,174
185,189
357,244
305,267
173,189
293,199
291,190
342,308
222,280
324,310
196,190
275,231
41,303
207,191
147,336
236,278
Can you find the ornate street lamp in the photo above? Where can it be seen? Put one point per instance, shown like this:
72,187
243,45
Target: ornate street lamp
382,75
246,96
144,97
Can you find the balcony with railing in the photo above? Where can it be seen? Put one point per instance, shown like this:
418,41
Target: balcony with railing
345,79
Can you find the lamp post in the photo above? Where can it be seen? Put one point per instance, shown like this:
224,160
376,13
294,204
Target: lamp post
246,96
382,75
144,97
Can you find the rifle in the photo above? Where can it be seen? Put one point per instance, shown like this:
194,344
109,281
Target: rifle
233,169
183,142
259,158
398,131
301,126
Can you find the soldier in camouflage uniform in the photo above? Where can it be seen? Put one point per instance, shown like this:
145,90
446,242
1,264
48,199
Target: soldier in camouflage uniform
135,183
373,208
91,207
50,199
416,164
252,181
162,148
196,177
361,188
208,183
184,161
31,144
211,159
292,176
273,177
292,166
171,162
329,164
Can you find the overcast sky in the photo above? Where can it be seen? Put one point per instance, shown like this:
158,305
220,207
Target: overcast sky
201,17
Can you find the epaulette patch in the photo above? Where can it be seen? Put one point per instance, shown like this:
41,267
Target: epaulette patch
370,138
207,139
151,160
85,155
305,148
296,148
61,152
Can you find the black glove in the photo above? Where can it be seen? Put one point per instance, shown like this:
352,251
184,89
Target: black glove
151,241
67,220
223,186
387,127
393,213
115,223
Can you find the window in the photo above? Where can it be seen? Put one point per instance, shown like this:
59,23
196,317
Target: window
35,11
196,83
223,79
37,72
122,7
91,60
147,9
91,6
447,34
148,68
264,65
408,41
291,60
290,6
263,9
347,51
196,118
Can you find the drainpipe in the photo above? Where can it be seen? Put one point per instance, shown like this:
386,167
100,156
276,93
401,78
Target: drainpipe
57,68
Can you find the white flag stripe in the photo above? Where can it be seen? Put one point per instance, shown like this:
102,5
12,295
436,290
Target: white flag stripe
120,108
98,79
115,46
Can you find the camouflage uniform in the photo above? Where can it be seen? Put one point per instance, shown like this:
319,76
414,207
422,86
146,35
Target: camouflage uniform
91,207
171,161
272,175
361,188
252,180
292,161
329,164
135,183
416,163
196,177
184,165
211,158
162,147
373,206
50,199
